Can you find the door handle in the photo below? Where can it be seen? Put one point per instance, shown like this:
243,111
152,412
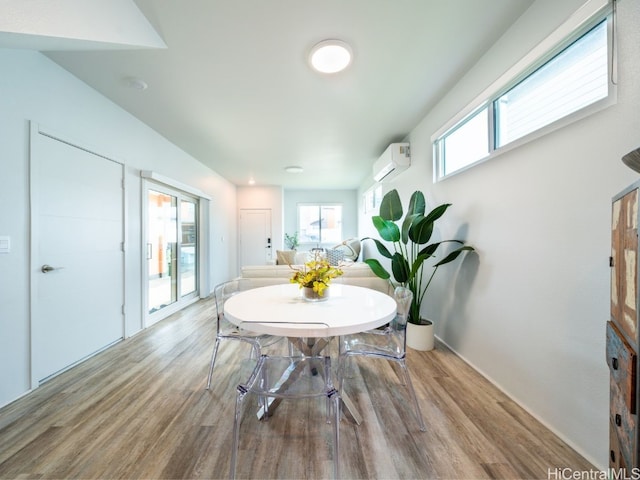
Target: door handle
48,268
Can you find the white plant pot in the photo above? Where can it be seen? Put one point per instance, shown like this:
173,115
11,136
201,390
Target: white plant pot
420,337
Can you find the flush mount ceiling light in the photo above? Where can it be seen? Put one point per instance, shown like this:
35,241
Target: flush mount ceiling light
135,83
293,169
330,56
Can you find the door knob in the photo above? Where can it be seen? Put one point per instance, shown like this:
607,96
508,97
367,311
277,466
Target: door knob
48,268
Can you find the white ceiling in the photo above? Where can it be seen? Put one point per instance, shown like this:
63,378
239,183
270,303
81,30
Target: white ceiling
233,87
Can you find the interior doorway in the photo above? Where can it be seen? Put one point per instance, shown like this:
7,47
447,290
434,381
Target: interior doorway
77,254
171,250
255,237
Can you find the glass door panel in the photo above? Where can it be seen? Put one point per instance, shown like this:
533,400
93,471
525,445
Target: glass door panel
162,249
172,250
188,247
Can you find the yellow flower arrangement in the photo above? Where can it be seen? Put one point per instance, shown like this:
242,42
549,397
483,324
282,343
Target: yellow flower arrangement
316,274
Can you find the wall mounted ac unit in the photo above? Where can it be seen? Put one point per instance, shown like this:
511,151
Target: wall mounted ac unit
395,159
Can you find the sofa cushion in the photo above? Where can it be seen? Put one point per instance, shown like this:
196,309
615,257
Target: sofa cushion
301,258
285,257
358,273
356,269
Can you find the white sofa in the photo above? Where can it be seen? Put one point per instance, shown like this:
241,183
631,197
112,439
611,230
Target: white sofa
357,273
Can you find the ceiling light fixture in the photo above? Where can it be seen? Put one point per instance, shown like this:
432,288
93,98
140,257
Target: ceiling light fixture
293,169
252,181
135,83
330,56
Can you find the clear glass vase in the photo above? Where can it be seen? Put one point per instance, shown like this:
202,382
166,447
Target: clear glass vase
310,296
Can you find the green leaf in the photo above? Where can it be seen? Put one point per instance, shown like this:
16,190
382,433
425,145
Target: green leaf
391,206
417,204
388,230
382,248
400,268
377,268
453,255
437,212
417,264
420,232
429,250
415,212
408,222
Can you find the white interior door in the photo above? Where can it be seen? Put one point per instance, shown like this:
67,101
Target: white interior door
77,259
255,236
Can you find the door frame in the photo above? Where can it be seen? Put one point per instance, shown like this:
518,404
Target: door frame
150,180
270,225
36,129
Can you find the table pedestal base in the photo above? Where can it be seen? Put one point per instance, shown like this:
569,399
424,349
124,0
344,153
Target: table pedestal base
310,347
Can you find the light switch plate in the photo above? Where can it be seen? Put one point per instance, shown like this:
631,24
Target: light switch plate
5,244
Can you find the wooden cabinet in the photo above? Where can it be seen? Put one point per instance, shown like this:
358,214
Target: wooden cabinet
622,331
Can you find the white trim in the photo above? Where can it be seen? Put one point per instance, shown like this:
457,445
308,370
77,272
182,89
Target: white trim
156,177
546,48
144,235
204,279
371,191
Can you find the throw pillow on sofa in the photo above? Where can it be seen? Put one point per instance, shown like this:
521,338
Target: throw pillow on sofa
285,257
350,249
335,256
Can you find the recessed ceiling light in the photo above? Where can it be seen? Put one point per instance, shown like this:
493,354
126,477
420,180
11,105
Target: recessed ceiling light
293,169
330,56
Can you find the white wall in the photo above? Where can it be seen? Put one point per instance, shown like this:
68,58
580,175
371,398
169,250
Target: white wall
529,310
35,89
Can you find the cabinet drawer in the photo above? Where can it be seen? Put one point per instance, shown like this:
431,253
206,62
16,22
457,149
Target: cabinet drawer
621,359
624,424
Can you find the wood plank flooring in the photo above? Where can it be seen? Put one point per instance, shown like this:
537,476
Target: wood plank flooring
140,411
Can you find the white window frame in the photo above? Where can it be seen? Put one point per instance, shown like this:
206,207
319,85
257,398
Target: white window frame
320,205
583,20
372,198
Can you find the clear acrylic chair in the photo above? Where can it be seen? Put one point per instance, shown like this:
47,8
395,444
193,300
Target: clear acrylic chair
287,377
389,343
225,330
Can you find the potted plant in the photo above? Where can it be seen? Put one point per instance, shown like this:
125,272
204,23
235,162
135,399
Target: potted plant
314,278
291,241
411,248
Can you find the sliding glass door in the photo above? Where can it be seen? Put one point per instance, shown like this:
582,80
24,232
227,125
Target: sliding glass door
188,247
172,249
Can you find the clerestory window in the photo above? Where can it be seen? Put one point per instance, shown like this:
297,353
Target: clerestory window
574,76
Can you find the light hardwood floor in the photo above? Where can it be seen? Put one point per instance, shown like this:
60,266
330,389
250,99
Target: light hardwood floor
140,410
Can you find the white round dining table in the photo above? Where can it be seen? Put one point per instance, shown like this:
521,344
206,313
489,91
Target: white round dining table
281,310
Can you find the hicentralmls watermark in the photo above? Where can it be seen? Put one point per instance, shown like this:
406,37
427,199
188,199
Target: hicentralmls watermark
609,474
